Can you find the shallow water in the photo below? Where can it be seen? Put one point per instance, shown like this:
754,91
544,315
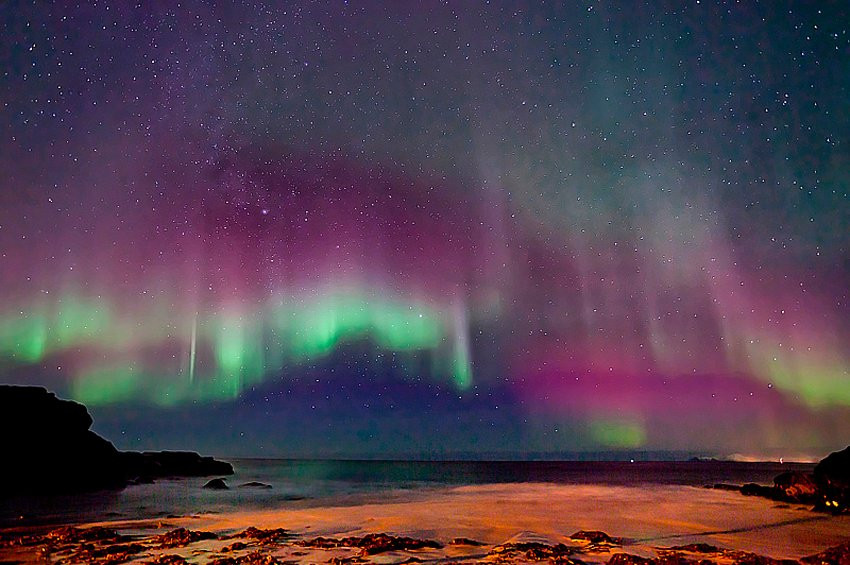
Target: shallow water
305,484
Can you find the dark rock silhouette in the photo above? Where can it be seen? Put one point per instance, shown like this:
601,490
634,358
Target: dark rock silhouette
216,484
832,476
174,464
593,536
235,546
48,448
255,484
47,445
833,471
753,489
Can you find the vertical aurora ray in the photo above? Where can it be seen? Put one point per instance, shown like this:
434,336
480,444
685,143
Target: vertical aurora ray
193,348
461,365
238,345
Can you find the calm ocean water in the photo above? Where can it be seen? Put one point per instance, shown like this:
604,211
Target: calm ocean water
298,484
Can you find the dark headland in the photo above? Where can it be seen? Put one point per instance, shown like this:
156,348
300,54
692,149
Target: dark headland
48,448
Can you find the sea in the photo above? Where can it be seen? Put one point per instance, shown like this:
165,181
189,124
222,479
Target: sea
318,483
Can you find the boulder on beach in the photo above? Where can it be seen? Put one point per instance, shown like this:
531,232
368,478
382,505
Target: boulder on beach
255,484
753,489
264,537
216,484
48,448
796,486
181,537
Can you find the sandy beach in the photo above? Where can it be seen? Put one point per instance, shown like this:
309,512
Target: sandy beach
508,523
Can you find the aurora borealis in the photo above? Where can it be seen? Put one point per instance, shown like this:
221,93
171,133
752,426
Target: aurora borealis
430,229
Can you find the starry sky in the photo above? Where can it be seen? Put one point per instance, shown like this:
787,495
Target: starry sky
431,229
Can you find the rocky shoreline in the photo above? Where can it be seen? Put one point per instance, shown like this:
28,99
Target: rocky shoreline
254,546
826,489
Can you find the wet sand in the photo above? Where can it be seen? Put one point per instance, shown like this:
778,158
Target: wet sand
644,521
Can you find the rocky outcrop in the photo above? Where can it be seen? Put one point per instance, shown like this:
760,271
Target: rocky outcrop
800,487
832,476
265,537
827,488
594,536
792,486
532,551
372,544
753,489
181,537
48,448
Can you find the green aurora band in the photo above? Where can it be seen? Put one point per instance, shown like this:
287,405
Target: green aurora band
217,356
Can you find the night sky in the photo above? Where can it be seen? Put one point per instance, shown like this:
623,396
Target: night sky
422,229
